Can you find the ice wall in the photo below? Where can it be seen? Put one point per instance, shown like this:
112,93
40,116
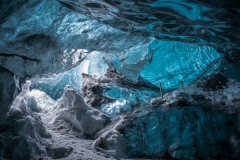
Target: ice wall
114,95
54,85
63,38
153,61
181,133
212,23
173,62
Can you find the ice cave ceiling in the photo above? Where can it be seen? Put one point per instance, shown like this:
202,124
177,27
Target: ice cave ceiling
117,53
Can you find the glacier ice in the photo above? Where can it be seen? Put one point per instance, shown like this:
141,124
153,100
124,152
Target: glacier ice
70,110
114,58
153,61
181,133
114,95
214,93
7,90
53,85
111,142
26,134
73,109
212,23
173,62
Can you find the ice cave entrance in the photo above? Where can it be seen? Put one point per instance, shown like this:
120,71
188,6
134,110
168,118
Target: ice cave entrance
96,69
173,64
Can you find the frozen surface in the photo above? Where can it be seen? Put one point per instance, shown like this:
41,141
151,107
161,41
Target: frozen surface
181,133
44,39
126,99
114,95
7,90
22,130
54,85
173,62
29,130
54,129
73,109
60,39
213,23
215,93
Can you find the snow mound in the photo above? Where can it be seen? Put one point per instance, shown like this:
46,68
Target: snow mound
112,143
73,110
214,93
21,130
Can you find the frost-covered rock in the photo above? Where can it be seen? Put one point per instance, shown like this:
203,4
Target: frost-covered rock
73,110
215,93
58,40
111,142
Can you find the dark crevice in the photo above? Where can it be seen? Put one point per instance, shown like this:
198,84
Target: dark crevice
23,57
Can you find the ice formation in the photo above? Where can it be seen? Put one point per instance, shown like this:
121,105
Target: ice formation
111,142
215,93
22,130
114,95
54,85
183,133
75,111
84,79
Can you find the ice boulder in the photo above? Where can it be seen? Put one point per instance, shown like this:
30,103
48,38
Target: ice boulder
74,111
111,142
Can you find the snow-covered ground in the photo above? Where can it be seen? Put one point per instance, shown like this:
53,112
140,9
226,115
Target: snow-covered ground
64,136
63,129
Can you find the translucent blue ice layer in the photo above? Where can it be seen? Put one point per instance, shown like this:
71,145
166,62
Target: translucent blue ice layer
126,99
54,84
137,58
173,62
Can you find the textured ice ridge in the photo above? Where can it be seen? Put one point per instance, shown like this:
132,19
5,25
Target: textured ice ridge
215,93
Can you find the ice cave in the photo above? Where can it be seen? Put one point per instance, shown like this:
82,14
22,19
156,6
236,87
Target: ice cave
119,79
